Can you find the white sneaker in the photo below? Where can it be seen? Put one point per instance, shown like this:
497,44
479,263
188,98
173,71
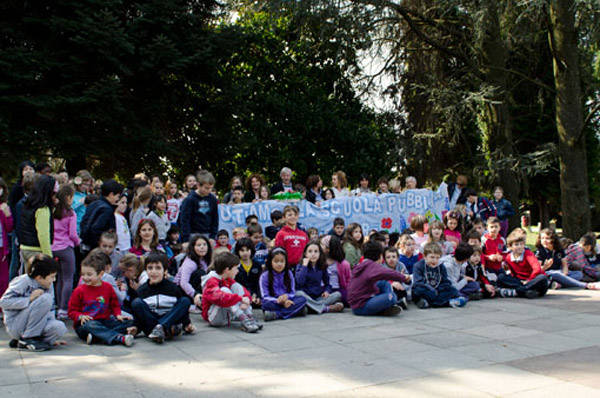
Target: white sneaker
194,310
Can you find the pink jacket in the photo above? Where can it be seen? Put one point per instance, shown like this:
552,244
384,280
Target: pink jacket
65,232
7,227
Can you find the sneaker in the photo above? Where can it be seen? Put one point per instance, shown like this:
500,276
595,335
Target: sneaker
89,339
475,296
593,286
269,316
157,334
508,292
403,304
249,326
422,304
194,310
33,345
176,330
337,307
531,294
257,323
391,311
127,340
555,285
14,343
458,302
304,311
62,315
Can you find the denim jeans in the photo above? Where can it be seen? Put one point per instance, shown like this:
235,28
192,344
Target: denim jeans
539,283
106,331
147,319
380,302
572,279
439,297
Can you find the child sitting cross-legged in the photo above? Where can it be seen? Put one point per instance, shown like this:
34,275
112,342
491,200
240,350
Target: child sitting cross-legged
312,281
223,299
523,275
369,292
408,255
161,308
401,290
338,268
456,267
27,306
249,271
278,293
94,306
431,286
475,271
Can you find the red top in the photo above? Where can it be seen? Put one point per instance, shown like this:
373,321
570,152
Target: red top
99,302
493,246
293,241
212,294
525,268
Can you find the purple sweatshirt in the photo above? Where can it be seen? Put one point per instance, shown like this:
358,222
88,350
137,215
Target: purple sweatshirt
364,276
279,287
65,232
185,272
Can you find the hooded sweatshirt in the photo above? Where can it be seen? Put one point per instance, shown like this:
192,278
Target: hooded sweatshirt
213,295
199,214
293,241
364,276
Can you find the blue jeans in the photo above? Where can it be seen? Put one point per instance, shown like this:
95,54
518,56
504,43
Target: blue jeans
148,319
539,284
106,331
380,302
572,279
15,262
439,297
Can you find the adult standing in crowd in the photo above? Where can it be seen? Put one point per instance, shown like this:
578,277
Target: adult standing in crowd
456,191
253,184
339,184
236,181
411,183
285,185
478,206
504,209
16,192
314,183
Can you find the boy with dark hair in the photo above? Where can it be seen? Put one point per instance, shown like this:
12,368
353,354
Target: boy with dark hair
493,245
99,216
277,220
161,308
455,268
94,306
431,286
369,291
251,219
199,211
291,238
223,299
339,227
223,239
27,306
523,274
260,248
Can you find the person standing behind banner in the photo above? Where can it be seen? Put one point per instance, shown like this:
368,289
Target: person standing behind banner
339,184
504,208
314,186
285,185
253,184
456,191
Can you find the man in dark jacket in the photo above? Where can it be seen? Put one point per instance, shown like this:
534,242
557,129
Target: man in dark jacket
285,185
457,190
99,216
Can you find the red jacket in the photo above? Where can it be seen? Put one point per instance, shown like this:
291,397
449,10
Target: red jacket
293,241
493,246
99,302
212,293
527,268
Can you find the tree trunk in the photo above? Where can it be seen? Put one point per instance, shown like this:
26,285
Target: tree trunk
495,113
574,196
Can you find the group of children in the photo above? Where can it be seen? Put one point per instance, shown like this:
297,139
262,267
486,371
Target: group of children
139,277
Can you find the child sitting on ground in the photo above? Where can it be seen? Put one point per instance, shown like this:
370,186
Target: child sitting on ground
106,276
312,282
436,235
523,274
419,226
27,306
223,239
277,290
291,238
94,306
194,267
431,286
582,255
369,292
472,237
338,268
475,271
223,299
452,220
407,253
353,241
132,277
455,268
401,290
249,272
108,244
161,308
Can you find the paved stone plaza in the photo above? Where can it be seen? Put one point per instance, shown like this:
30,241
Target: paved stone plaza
512,347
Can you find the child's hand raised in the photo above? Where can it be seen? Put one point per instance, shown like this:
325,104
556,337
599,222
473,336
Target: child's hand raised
305,262
35,294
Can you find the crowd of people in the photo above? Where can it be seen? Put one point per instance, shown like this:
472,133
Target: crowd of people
119,262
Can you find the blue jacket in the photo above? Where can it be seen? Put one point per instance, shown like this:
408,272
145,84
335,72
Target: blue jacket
504,208
199,215
312,280
99,217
